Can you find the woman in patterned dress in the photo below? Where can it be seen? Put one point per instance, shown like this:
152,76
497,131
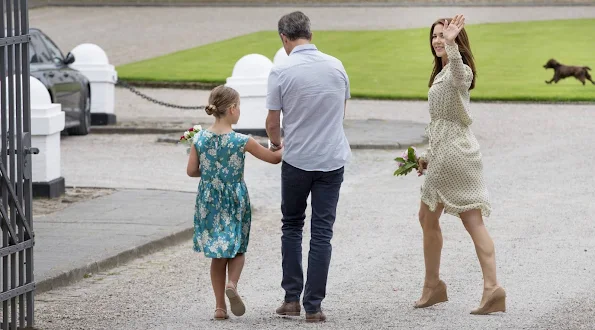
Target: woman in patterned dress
222,213
454,182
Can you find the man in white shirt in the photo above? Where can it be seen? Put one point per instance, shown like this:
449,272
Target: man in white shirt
311,89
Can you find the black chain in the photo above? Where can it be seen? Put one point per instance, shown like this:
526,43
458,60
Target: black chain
148,98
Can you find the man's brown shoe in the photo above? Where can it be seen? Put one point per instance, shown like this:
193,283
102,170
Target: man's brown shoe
290,309
315,317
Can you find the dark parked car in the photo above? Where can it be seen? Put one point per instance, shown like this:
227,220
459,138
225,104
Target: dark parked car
67,86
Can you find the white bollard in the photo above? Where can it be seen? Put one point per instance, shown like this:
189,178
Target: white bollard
249,78
47,122
279,59
92,62
280,56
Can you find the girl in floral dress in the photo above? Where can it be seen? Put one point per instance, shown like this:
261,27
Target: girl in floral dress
222,213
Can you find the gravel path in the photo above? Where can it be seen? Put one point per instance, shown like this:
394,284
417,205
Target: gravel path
537,168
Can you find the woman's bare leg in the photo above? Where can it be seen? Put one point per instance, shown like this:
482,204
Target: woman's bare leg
484,247
430,224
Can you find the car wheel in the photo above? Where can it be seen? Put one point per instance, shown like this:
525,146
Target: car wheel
85,121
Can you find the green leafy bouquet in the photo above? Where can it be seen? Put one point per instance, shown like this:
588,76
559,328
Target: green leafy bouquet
407,162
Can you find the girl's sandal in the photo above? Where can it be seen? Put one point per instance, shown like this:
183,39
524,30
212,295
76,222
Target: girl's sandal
221,314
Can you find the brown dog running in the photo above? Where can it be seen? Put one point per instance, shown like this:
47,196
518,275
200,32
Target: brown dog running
562,71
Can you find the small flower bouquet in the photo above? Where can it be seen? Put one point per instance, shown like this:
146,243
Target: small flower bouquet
188,137
407,162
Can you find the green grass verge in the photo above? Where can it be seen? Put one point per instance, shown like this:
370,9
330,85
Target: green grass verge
396,64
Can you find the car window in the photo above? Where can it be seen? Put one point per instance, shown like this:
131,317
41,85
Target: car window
54,50
43,55
33,57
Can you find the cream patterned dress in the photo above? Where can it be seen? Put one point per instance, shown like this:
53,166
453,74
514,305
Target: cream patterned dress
454,175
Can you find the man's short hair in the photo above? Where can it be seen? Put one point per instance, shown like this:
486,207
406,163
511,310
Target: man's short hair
295,26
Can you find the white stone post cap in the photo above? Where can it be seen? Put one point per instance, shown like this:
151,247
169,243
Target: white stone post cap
252,66
280,56
89,55
40,97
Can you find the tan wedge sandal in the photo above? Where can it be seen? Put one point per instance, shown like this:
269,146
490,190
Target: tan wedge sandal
495,303
438,295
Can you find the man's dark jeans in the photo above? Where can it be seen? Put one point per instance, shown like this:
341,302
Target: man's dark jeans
296,185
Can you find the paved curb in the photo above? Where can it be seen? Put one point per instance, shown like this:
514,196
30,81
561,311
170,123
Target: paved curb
262,140
358,146
77,274
167,139
133,130
396,146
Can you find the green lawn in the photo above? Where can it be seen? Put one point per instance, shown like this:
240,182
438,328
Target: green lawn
396,64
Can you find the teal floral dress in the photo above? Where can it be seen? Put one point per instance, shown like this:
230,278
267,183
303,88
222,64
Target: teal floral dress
222,214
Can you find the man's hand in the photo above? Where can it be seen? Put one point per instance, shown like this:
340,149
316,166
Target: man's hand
274,147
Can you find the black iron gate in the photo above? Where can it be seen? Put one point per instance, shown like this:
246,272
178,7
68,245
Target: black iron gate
15,168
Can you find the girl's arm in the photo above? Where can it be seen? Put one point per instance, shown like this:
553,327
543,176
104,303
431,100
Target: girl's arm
262,153
193,168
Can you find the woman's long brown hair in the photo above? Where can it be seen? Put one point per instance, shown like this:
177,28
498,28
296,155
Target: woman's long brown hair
464,48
